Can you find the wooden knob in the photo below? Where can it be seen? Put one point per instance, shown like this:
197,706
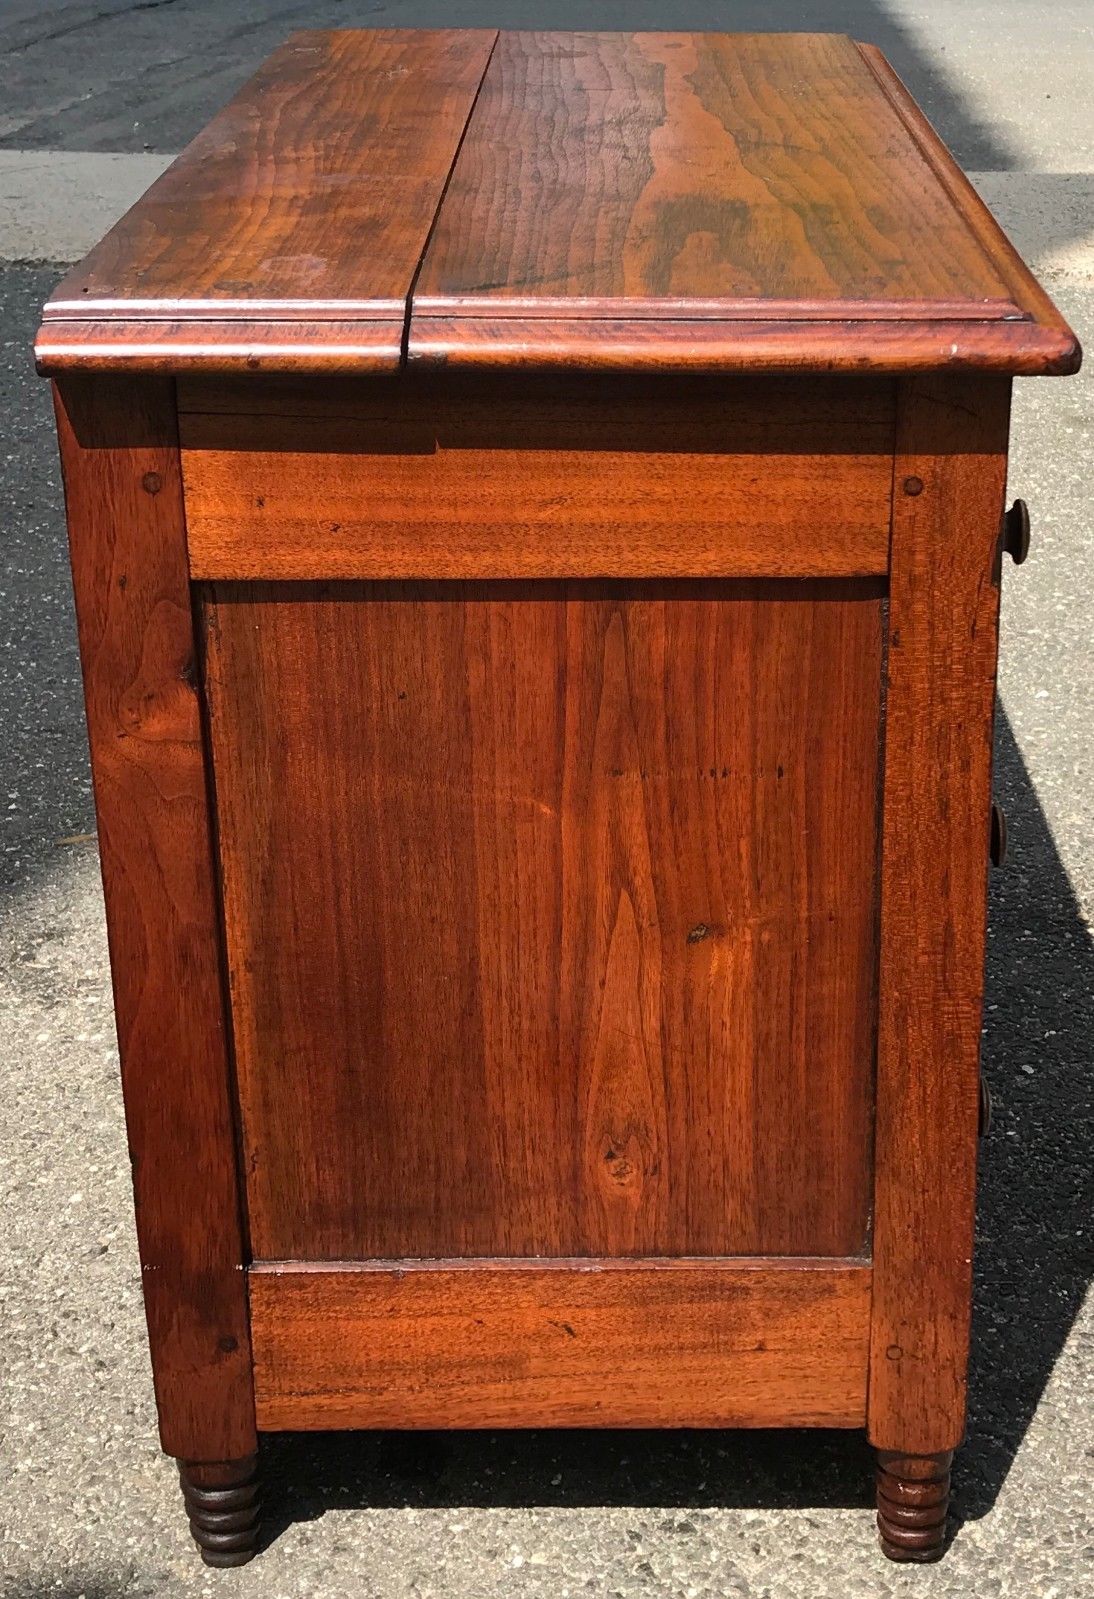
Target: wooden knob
1016,532
984,1121
998,847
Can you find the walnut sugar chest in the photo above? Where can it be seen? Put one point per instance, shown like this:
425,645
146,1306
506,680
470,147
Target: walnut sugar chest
537,508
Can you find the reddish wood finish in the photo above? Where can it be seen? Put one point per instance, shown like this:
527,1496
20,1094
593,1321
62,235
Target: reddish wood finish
286,345
645,480
597,894
739,179
578,956
1022,286
943,619
123,496
708,347
307,201
565,1344
720,348
693,169
627,202
913,1496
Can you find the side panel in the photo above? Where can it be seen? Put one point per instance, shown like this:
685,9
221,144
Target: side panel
950,474
124,500
551,914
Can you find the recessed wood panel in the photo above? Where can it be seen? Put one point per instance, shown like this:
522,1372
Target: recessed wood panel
550,914
528,1343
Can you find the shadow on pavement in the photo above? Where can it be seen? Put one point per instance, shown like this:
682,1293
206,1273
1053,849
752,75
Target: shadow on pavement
150,77
1035,1251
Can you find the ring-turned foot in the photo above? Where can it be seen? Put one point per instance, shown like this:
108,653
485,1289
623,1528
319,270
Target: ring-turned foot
222,1503
913,1495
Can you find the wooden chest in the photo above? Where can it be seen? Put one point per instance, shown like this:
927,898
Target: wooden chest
536,506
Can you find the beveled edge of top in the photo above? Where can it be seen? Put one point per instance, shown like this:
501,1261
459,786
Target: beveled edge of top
1022,336
1051,340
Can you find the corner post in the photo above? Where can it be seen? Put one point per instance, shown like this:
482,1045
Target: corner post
127,536
949,481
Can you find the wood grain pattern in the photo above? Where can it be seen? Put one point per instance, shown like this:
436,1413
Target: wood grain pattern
550,913
567,1344
124,500
604,998
686,167
727,348
666,192
943,619
1021,284
372,347
746,479
715,203
457,346
310,197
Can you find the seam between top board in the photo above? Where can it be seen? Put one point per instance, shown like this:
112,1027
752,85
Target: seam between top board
408,311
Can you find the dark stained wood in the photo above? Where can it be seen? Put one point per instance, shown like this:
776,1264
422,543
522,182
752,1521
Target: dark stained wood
372,347
725,348
913,1496
308,199
656,196
565,1344
222,1503
762,479
716,203
943,619
837,415
550,914
124,501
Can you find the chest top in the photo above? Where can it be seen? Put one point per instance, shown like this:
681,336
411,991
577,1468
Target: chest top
701,202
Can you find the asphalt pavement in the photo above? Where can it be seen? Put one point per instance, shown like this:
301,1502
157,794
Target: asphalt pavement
96,97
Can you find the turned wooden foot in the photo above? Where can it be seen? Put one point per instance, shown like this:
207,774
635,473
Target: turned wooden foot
222,1503
913,1494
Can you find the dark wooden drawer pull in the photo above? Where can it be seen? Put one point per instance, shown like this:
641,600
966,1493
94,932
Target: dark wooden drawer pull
998,846
1016,532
